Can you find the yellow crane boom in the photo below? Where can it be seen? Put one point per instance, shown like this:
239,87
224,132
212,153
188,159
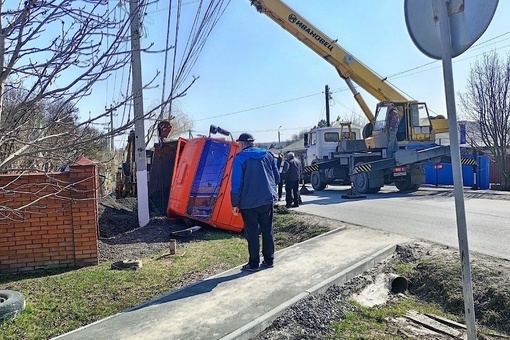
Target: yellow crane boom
347,66
418,128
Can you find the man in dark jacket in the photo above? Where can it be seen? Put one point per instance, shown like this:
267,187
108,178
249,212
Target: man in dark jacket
391,126
279,164
292,170
253,194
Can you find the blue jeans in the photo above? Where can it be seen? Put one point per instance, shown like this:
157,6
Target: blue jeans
259,220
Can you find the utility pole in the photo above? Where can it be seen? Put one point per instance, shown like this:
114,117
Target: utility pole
326,91
142,192
110,130
112,141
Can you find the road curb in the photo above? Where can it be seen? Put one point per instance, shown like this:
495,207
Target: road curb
259,324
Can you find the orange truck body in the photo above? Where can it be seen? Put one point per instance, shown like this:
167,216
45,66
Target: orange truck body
200,188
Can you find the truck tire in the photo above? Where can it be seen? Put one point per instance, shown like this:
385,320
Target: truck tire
413,180
361,184
11,304
315,179
406,186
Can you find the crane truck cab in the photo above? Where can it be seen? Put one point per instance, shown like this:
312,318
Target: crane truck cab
416,126
324,145
322,142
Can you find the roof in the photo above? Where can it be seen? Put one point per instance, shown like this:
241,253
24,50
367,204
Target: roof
298,146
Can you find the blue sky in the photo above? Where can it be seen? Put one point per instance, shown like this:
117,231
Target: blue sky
256,77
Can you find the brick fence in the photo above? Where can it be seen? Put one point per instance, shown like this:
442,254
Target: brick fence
49,220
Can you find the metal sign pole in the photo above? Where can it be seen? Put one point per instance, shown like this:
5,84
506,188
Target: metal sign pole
444,25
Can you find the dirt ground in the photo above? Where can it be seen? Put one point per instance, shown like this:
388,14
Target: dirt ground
435,277
120,237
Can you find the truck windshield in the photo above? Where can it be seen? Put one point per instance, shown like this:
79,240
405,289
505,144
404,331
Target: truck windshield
381,117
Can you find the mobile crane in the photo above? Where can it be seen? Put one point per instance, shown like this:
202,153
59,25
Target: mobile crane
364,165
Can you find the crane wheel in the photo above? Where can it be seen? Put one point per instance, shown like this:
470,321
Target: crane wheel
361,183
315,179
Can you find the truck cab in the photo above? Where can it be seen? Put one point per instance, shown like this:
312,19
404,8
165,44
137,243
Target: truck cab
321,143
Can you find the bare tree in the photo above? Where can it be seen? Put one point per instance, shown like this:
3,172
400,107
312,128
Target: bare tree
52,53
297,136
486,102
53,56
56,51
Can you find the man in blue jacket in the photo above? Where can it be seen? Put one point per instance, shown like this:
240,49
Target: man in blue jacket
253,194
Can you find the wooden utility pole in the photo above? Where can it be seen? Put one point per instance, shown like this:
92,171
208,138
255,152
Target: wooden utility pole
326,92
140,155
112,138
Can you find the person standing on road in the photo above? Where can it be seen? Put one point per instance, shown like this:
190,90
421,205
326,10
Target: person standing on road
292,170
391,126
253,194
279,164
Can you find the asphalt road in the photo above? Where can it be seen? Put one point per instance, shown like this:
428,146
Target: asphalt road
428,214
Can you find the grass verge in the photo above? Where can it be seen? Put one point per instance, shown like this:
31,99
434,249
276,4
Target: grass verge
59,301
372,323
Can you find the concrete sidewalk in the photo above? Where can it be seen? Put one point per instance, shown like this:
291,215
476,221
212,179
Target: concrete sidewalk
237,304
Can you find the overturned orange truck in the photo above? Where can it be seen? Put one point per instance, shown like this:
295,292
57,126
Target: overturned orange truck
190,178
200,185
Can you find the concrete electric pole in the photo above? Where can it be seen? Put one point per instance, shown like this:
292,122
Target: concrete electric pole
142,192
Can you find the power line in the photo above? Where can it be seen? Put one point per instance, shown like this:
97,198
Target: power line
298,129
397,75
258,107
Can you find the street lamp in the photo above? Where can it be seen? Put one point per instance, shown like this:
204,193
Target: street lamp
279,144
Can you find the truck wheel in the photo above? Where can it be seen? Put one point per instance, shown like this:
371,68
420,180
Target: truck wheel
11,304
413,180
315,179
360,183
373,190
406,186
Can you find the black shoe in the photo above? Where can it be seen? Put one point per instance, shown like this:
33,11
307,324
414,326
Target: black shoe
295,205
267,265
248,268
288,206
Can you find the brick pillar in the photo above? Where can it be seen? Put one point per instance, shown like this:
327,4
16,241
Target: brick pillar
84,212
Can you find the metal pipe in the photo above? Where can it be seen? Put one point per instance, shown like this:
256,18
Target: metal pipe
397,283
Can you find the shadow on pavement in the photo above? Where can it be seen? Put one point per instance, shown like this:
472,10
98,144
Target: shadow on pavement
198,288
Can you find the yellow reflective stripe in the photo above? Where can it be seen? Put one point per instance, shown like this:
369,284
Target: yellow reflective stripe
311,168
363,168
468,161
